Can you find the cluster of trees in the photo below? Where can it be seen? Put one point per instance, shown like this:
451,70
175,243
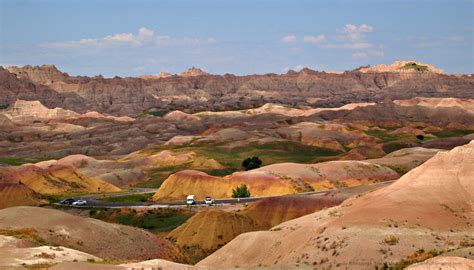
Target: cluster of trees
242,191
251,163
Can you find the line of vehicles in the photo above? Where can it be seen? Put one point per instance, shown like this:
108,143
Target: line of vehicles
73,202
191,199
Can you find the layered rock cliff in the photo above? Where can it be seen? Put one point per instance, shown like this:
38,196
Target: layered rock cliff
196,90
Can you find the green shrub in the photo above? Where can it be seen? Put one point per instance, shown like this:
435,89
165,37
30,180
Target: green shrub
241,192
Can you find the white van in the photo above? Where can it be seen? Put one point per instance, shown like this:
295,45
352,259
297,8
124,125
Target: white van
190,200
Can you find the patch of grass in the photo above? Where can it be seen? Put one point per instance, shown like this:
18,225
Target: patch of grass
270,153
54,198
394,146
156,220
453,133
158,113
384,136
220,172
17,161
133,198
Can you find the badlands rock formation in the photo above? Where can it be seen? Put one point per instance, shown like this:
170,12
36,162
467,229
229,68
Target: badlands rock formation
44,74
157,76
13,193
406,159
101,239
208,230
192,72
429,208
17,254
465,104
400,67
270,212
54,179
331,136
195,90
276,179
30,111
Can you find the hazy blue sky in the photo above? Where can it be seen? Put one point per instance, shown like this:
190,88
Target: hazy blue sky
128,38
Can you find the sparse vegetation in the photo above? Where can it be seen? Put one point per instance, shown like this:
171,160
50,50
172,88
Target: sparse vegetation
241,192
419,256
415,66
37,265
28,234
384,136
453,133
16,161
45,255
391,240
397,169
220,172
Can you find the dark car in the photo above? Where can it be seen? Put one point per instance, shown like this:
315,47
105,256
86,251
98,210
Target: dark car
68,201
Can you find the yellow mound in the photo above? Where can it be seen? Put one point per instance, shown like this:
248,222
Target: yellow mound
276,179
14,194
55,179
186,182
208,230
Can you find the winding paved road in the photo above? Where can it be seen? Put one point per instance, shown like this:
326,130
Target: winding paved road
94,199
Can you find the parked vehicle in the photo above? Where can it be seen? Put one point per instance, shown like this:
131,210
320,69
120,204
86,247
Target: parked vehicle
209,201
67,201
79,203
190,200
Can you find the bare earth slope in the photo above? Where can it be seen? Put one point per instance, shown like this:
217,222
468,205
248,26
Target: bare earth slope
17,254
15,194
55,179
429,208
92,236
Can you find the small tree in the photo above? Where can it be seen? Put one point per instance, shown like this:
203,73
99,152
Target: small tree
241,192
251,163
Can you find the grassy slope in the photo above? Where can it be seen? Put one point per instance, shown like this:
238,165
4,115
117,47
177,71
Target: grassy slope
232,158
156,220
